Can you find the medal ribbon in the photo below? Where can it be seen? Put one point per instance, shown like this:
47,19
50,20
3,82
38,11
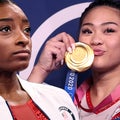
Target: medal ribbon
71,83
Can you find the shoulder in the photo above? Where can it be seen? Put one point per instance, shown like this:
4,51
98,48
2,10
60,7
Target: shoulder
54,97
44,88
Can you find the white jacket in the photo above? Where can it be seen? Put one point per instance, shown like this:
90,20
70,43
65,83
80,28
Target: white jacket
52,100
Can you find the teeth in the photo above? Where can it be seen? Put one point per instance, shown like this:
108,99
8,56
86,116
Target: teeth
81,57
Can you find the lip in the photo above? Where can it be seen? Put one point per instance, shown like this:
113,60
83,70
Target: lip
98,52
23,52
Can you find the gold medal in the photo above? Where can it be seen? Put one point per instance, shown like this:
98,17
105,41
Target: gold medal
81,57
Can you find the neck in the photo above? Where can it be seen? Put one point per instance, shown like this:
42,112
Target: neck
8,83
11,90
103,85
106,80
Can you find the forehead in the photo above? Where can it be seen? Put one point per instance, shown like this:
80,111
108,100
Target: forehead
103,13
11,10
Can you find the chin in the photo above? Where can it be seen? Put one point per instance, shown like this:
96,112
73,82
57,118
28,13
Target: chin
21,67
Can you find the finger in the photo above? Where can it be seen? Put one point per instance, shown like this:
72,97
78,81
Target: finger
56,52
64,37
67,40
72,41
52,44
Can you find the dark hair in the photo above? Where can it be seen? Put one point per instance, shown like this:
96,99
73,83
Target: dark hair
6,2
111,3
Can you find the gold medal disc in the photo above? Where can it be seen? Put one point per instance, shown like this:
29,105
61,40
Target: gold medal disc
81,57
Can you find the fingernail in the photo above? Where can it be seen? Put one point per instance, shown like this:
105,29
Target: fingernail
69,49
62,61
73,46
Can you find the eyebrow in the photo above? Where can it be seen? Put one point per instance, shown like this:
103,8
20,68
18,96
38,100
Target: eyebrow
6,19
10,19
87,24
25,20
106,23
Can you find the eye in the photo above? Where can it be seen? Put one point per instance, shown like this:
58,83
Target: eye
86,31
27,30
109,30
5,29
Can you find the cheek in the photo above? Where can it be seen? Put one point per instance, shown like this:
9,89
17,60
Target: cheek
113,44
114,49
3,58
3,51
84,40
30,45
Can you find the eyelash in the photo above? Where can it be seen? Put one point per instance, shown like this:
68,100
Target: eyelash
7,29
88,31
27,30
109,30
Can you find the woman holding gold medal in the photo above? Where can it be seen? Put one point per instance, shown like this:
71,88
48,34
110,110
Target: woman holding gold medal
97,97
20,99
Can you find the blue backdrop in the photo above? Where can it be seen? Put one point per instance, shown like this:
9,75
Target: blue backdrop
47,18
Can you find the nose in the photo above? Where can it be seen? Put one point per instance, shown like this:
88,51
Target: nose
23,39
97,39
